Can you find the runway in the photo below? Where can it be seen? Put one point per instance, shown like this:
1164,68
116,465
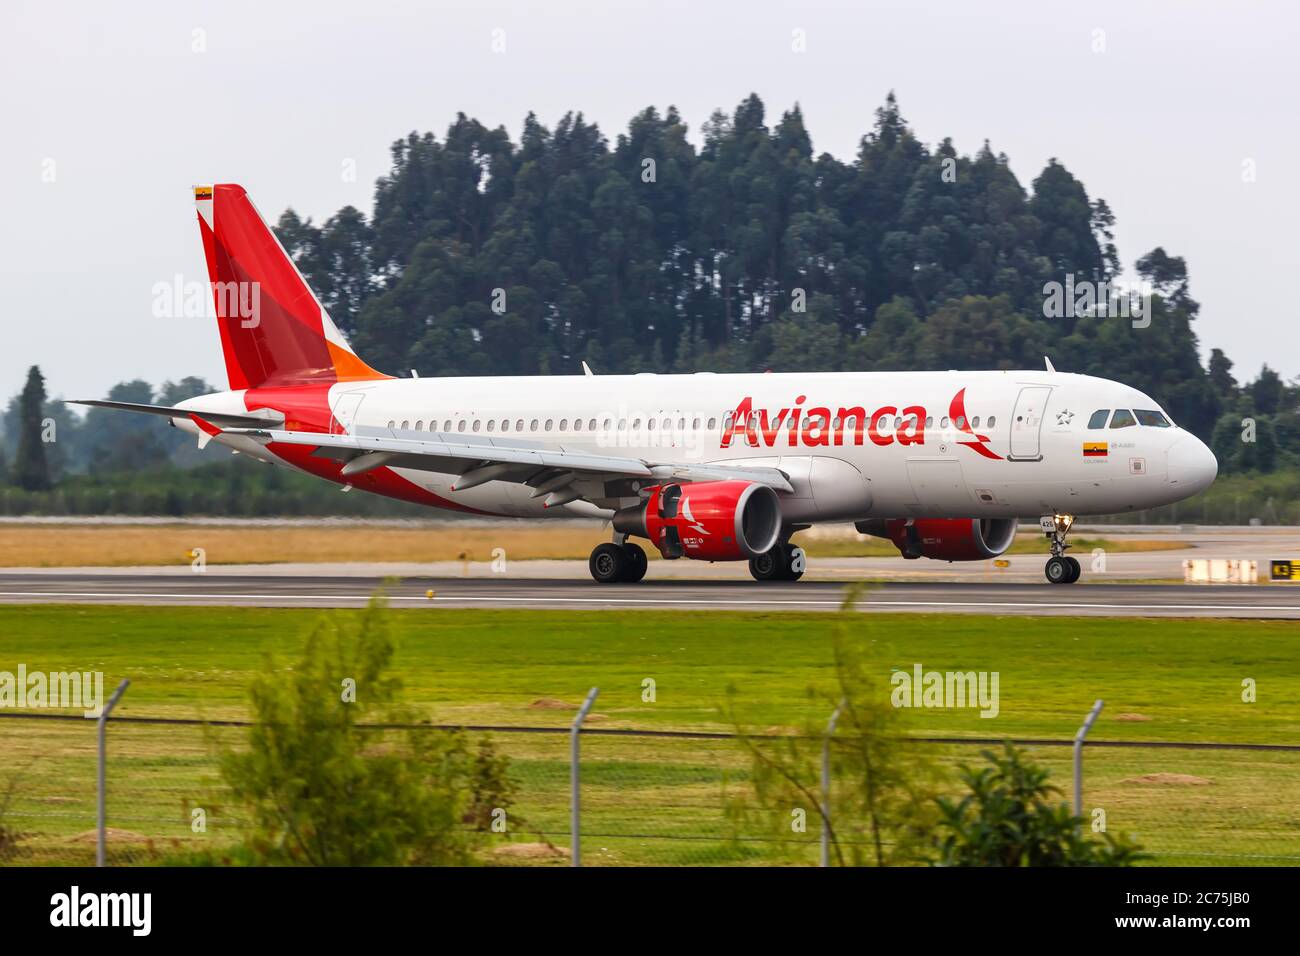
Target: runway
125,587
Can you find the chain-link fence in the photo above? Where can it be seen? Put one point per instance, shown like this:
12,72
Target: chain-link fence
647,797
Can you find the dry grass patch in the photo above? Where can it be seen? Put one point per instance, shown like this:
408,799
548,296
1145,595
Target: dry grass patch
43,545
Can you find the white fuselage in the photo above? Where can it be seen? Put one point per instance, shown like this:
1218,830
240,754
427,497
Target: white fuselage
854,445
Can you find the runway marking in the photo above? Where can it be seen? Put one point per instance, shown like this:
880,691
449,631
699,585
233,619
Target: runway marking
618,599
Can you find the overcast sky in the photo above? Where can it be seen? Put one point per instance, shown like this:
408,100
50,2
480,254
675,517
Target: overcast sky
116,105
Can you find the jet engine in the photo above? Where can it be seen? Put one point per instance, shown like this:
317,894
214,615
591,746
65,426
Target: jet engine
945,539
706,520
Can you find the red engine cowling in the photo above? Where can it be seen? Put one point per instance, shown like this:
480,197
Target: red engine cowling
945,539
706,520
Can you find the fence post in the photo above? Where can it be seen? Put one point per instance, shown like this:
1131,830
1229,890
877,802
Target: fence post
1078,756
575,814
101,838
826,783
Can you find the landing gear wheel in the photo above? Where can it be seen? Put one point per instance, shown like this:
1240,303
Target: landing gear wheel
796,562
636,563
1058,571
608,564
784,562
1075,569
767,566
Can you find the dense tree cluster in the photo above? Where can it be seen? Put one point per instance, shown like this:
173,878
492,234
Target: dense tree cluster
746,253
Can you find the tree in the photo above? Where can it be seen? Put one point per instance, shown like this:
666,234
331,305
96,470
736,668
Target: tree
1010,817
1220,371
30,470
124,442
1266,391
323,789
881,803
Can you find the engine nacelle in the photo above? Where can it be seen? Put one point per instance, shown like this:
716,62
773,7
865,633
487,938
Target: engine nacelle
706,520
945,539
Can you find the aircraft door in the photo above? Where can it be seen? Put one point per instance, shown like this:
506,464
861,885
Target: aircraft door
345,411
1027,423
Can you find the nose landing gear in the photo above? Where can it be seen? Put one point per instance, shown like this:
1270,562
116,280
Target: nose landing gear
1060,568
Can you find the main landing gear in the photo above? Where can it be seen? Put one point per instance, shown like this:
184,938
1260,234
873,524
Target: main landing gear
619,562
1060,568
785,562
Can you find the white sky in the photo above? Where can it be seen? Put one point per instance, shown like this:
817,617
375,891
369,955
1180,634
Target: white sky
1158,125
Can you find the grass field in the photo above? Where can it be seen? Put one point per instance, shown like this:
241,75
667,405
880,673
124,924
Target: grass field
660,800
43,545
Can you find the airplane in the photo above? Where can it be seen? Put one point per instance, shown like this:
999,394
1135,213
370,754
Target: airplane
705,466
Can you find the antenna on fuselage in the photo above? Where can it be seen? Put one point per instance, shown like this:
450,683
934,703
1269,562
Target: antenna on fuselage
1050,366
586,369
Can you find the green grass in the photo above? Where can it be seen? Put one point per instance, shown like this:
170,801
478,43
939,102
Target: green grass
477,666
661,801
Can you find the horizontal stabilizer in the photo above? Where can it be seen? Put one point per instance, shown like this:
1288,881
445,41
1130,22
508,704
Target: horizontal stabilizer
259,418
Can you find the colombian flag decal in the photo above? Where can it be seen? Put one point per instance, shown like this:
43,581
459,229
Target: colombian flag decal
202,192
1095,449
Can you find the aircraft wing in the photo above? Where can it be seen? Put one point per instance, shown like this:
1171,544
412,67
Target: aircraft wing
478,459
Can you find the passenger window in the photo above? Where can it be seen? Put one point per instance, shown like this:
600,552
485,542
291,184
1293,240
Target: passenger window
419,425
577,424
549,423
476,424
564,424
713,422
533,426
505,424
406,425
1151,418
591,425
975,422
650,424
991,422
460,426
391,424
943,423
446,426
929,421
492,424
1122,418
961,421
519,424
622,424
1098,419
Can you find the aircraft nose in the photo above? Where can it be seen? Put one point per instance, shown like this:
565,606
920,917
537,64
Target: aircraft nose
1192,466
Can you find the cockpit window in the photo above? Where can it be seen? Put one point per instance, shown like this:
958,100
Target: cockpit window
1122,418
1098,419
1146,416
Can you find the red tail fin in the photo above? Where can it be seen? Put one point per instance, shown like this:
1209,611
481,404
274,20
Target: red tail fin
273,329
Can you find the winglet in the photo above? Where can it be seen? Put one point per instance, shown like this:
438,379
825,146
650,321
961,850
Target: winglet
1050,366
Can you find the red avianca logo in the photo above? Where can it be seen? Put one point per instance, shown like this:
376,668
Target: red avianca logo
816,426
